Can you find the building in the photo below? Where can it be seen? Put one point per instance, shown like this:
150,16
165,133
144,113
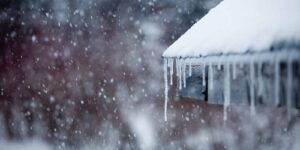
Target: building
241,52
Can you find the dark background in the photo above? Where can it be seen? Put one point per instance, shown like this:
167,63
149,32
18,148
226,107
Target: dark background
68,68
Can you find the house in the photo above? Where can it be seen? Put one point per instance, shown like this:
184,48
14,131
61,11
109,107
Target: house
244,52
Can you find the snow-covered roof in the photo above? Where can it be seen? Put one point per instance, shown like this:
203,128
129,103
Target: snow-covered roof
238,26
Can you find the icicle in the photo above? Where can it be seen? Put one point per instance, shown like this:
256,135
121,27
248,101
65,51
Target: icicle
289,90
241,64
177,71
203,74
166,87
234,70
260,79
229,85
219,65
190,67
252,81
277,81
177,68
211,76
171,65
184,73
226,89
180,73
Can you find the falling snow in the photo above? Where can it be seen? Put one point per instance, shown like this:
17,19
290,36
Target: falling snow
87,75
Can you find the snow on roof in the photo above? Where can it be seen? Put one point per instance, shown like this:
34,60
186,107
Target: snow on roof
238,26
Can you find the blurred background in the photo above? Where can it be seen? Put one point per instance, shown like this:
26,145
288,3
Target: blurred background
88,75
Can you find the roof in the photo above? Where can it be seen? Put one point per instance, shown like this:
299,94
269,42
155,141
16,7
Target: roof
239,26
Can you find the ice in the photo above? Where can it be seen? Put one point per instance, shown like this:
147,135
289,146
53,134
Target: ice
219,65
184,73
203,75
211,76
277,81
190,67
230,63
241,64
234,70
171,65
252,87
228,86
180,73
177,68
289,95
166,87
226,89
260,79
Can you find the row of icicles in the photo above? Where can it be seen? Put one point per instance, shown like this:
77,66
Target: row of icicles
230,64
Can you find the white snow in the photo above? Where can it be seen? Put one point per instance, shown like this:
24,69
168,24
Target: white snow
238,26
